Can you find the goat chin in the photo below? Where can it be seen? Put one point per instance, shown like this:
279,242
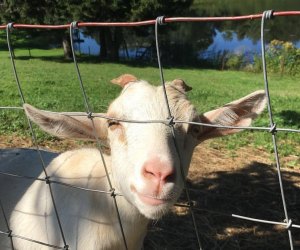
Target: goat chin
152,207
155,212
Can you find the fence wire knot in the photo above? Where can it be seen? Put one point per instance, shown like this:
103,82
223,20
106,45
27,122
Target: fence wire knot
66,247
90,115
273,129
170,121
112,193
161,20
289,224
9,233
47,179
268,14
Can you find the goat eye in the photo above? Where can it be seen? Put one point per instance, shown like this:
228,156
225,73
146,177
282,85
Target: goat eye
113,124
195,130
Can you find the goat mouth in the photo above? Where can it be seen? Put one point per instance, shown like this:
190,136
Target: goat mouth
148,199
151,200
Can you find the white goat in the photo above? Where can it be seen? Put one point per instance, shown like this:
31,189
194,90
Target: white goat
144,166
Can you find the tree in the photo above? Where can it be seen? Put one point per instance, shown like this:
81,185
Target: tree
110,39
38,12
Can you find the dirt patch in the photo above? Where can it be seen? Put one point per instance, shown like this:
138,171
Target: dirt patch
55,144
207,160
220,183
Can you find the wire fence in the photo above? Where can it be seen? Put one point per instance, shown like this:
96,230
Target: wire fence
169,121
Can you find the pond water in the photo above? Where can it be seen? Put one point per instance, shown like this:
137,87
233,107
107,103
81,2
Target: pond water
89,46
235,44
234,37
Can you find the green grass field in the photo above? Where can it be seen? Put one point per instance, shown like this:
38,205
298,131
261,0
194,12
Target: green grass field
48,82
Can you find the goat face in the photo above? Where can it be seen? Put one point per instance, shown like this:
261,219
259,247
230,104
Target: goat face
147,150
150,160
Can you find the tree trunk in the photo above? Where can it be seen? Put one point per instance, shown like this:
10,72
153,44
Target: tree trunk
102,39
126,49
67,48
110,42
117,41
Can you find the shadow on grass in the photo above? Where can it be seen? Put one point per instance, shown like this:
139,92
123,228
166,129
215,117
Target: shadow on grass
88,60
52,58
290,117
96,60
252,191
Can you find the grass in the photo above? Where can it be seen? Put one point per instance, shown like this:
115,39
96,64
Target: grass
48,82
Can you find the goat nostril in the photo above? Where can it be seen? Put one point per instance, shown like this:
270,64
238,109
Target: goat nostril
170,177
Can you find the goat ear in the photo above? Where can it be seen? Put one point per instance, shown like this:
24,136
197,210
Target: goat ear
181,85
123,80
67,126
237,113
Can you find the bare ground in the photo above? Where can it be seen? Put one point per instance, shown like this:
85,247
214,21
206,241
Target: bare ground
221,183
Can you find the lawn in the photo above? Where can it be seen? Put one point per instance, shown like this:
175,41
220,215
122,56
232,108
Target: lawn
48,82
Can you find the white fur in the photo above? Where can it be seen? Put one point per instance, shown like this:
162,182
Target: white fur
89,219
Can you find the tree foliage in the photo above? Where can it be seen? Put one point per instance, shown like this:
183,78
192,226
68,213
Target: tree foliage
111,39
34,11
59,11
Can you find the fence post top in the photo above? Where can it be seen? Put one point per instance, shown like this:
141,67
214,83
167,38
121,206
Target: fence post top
74,25
10,26
268,14
161,20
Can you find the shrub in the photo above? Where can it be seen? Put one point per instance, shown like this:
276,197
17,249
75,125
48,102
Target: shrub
283,57
235,61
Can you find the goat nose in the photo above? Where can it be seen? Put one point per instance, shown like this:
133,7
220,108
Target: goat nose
157,170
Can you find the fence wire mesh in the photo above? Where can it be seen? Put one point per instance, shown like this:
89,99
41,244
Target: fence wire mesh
169,121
